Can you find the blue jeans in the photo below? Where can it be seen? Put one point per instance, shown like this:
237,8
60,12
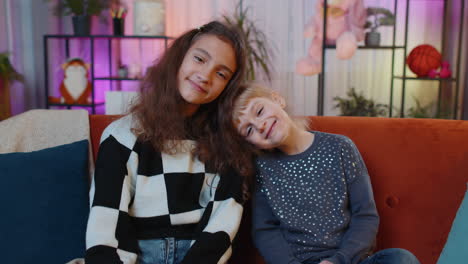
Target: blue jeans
163,250
391,256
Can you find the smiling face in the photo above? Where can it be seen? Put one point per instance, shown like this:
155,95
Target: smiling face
264,123
205,71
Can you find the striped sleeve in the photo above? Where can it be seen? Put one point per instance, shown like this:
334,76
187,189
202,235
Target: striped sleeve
110,236
220,223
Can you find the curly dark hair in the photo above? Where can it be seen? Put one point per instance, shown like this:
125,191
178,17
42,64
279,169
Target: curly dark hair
158,106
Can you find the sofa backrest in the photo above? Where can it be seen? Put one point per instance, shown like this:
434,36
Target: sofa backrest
418,169
97,124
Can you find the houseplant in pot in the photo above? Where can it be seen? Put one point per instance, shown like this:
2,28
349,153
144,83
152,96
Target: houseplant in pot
81,12
8,75
430,110
377,17
259,53
356,104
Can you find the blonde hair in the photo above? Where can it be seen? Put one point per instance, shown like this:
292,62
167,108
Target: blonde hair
251,90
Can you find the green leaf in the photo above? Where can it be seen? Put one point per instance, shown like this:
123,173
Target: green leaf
379,17
7,71
420,111
258,51
358,105
81,7
386,21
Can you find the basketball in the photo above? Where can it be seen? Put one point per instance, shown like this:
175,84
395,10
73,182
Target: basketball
422,59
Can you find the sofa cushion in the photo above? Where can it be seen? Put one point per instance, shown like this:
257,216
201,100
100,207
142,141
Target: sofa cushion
455,249
44,204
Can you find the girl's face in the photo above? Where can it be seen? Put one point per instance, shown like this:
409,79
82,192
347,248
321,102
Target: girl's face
264,123
205,71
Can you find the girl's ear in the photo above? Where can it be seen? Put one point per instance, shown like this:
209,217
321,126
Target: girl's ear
277,98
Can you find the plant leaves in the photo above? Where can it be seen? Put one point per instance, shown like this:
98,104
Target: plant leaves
7,71
382,17
80,7
258,51
358,105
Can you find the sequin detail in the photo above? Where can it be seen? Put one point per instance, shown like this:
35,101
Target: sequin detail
307,192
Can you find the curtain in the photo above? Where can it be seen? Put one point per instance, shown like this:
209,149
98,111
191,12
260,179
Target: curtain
22,25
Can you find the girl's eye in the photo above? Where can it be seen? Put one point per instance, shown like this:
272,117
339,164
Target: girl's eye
222,75
260,111
249,131
198,59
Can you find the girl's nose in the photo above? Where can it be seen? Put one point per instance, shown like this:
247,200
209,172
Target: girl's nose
262,126
202,77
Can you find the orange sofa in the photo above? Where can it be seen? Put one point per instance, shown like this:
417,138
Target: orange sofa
418,168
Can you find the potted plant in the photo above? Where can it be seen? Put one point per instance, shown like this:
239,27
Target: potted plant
377,17
81,11
429,110
420,111
258,50
357,105
8,75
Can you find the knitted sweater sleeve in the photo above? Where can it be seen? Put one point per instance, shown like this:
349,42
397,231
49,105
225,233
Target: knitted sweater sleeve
110,236
267,235
219,224
362,230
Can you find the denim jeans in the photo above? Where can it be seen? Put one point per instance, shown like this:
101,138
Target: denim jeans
386,256
391,256
163,250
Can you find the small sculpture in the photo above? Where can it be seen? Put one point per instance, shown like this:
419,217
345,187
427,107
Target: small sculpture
75,87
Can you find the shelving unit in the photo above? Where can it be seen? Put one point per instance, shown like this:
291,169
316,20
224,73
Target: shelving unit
393,48
92,38
456,68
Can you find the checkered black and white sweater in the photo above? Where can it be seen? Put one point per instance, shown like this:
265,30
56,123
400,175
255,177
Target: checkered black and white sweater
139,193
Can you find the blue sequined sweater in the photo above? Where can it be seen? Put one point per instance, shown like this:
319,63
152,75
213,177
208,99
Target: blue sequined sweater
316,205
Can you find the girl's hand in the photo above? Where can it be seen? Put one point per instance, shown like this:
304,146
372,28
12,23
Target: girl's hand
325,262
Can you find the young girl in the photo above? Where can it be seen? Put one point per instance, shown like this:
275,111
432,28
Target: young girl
155,197
313,201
